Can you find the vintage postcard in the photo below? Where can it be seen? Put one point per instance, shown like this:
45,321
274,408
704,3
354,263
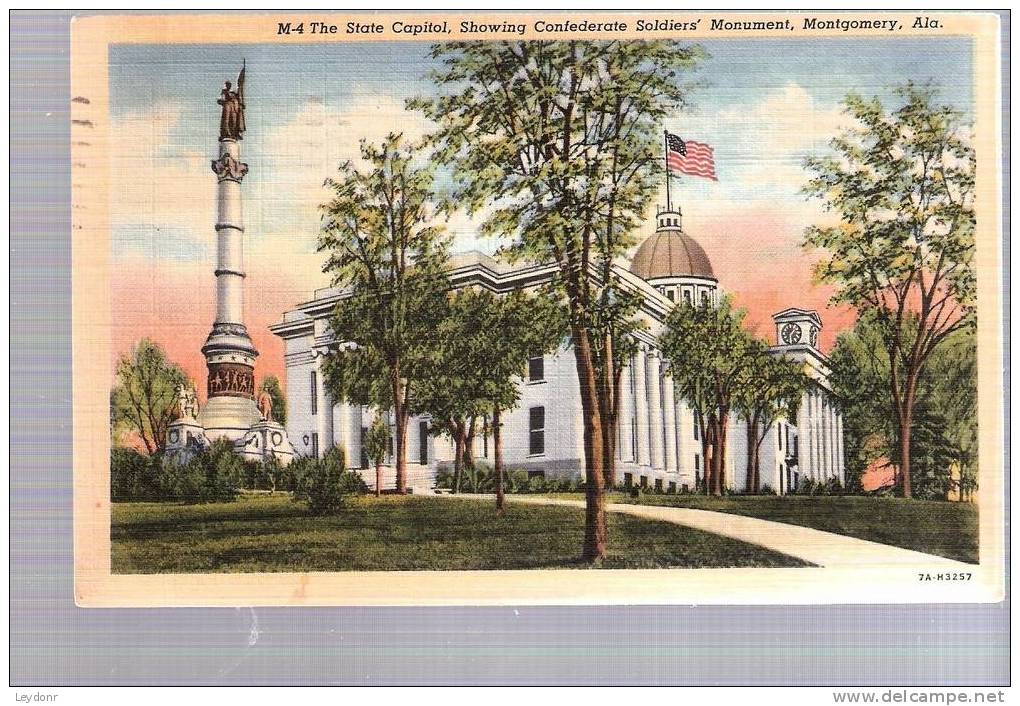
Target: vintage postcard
521,308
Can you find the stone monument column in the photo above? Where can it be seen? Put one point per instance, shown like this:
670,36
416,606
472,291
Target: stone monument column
229,352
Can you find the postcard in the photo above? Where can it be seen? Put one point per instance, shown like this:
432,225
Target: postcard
537,308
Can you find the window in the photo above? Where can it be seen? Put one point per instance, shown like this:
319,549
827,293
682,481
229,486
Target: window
779,433
364,451
697,425
423,443
697,462
536,474
687,296
704,298
536,431
786,433
644,481
658,484
671,294
536,368
628,480
671,488
315,443
315,393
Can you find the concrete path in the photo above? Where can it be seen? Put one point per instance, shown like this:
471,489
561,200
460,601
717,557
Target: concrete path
814,546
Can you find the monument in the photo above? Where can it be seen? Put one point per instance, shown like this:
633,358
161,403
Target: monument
230,411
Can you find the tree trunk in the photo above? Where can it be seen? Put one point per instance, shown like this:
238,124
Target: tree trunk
595,512
750,481
497,460
378,478
610,392
399,413
905,456
469,455
459,433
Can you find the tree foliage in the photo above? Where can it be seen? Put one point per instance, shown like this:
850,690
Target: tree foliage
770,390
945,416
557,143
144,398
711,360
901,182
383,249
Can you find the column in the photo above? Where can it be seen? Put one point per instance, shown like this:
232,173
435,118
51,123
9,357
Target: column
641,406
669,404
834,430
625,418
824,437
655,402
815,455
342,428
323,423
841,470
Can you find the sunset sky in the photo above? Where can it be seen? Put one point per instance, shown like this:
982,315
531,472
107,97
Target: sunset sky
765,105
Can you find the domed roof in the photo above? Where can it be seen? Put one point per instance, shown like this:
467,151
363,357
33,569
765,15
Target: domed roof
671,253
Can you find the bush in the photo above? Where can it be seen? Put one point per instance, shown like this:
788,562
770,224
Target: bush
134,476
324,484
766,489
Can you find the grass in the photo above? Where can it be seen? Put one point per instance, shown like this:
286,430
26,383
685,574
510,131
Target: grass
941,528
274,533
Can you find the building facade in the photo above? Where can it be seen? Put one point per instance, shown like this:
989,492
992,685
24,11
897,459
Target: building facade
658,441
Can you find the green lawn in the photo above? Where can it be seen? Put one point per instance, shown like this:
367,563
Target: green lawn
273,533
942,528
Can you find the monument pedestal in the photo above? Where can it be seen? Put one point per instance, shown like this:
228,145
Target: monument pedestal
185,439
265,440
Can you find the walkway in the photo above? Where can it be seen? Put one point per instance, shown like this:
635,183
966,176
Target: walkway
814,546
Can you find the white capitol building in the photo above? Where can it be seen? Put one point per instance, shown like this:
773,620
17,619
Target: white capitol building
658,443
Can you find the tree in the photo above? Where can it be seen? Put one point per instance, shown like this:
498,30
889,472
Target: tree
144,398
383,250
901,183
771,390
945,415
710,356
377,445
558,142
271,386
487,341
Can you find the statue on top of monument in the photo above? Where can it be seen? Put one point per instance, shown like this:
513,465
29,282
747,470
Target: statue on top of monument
187,401
265,404
232,117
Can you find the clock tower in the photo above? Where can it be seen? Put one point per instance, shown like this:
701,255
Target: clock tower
797,328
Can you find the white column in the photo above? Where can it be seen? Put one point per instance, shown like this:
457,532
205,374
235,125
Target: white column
342,428
815,456
841,470
669,403
625,420
322,421
229,238
834,431
641,406
655,416
825,438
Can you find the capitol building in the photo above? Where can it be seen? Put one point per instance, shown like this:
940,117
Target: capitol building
658,443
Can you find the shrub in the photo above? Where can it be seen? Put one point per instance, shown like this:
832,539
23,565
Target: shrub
766,489
324,484
536,484
134,476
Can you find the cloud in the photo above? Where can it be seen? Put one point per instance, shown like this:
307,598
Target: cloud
161,198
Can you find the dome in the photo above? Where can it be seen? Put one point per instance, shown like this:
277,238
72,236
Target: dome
671,253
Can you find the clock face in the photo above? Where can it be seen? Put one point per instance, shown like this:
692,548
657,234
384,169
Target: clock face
791,334
814,336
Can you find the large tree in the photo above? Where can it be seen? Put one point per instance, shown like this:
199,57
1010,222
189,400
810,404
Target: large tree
901,183
557,143
711,361
383,249
945,418
771,390
144,399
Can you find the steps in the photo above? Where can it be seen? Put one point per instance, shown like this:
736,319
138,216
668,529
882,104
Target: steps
420,479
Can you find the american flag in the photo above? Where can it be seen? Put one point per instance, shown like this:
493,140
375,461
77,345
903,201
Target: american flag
690,157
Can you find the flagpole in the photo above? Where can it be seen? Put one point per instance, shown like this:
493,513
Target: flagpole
665,155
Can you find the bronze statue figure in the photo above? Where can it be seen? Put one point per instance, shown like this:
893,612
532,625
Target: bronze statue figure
232,118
